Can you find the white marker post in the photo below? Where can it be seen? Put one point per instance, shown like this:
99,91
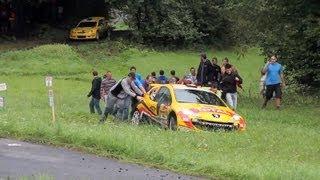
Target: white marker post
48,81
3,87
2,103
51,104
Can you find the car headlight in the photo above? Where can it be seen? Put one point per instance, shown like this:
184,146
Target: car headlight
187,112
239,121
236,117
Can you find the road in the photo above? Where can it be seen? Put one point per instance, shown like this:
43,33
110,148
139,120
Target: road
25,160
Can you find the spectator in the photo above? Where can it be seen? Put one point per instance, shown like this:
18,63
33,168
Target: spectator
154,77
229,85
224,62
216,71
274,81
95,93
138,76
204,73
173,79
120,96
12,20
147,82
191,78
139,83
4,19
106,85
214,89
162,79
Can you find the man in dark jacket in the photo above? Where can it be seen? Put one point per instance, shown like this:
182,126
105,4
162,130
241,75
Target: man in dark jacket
204,74
95,93
216,71
229,83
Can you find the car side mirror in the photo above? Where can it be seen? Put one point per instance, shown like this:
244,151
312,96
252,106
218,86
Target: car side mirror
152,96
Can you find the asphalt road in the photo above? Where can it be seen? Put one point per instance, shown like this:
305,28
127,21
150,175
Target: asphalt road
25,160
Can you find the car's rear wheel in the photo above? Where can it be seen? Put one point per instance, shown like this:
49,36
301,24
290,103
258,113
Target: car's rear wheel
172,124
136,118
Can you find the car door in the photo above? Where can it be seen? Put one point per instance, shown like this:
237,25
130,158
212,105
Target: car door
150,101
163,100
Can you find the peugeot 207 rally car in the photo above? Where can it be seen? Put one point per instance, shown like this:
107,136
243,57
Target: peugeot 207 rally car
89,28
181,107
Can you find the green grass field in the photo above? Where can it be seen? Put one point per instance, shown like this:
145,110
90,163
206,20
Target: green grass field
276,145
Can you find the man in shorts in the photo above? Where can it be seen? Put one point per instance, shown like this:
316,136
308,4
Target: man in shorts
274,81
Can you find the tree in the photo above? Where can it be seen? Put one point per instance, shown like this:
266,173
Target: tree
168,21
288,28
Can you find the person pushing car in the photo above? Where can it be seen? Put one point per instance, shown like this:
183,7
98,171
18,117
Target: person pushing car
120,95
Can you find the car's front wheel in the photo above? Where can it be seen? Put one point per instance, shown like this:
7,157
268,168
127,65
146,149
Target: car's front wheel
136,118
172,124
97,36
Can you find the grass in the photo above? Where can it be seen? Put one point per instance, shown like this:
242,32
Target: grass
277,144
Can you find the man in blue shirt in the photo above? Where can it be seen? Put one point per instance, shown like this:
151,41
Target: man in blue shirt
274,81
162,79
139,83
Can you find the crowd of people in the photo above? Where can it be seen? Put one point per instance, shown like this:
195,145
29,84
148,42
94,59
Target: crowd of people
224,81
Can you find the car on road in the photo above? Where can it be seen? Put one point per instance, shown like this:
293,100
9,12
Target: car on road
90,28
176,106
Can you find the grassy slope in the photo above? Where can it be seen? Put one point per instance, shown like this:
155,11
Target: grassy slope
278,144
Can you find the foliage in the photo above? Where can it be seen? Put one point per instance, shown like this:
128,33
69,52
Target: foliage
172,21
276,145
288,28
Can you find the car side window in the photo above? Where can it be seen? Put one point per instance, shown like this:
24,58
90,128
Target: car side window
152,93
163,96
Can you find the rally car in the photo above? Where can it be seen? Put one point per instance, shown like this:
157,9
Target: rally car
89,28
176,106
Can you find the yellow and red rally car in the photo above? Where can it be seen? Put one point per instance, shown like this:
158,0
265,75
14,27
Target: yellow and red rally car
177,106
90,28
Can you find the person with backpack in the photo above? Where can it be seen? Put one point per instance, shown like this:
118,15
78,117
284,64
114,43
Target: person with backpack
229,83
120,96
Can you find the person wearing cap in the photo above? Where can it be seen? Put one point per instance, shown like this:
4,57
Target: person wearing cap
120,95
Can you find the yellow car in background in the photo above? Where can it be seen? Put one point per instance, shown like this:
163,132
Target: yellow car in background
176,106
89,28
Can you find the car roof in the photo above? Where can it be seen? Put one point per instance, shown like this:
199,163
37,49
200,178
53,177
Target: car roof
182,86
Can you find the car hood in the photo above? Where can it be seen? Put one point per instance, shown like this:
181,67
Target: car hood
209,113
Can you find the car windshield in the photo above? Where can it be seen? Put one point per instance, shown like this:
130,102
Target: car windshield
87,24
197,96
